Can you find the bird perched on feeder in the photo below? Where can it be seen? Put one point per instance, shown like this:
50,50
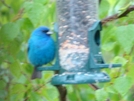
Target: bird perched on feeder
41,49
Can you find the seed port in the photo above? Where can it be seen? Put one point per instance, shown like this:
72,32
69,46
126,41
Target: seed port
97,38
70,77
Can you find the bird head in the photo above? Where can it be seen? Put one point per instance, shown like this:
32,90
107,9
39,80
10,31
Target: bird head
42,31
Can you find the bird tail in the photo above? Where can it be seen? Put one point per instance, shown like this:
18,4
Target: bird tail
36,74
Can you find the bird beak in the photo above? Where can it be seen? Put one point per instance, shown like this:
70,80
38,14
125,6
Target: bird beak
49,33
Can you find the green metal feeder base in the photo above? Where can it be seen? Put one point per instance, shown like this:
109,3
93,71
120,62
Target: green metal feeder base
80,78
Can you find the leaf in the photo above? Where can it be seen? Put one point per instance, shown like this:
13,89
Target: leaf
15,48
21,55
50,93
108,38
34,96
112,5
110,89
122,5
41,1
130,69
112,2
15,69
108,46
35,12
25,24
101,95
121,60
9,31
15,89
122,85
3,94
21,80
125,37
82,91
103,9
107,34
17,92
2,84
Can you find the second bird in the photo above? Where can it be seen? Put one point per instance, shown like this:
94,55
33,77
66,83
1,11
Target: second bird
41,49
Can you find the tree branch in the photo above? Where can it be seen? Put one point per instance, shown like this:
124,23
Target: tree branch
19,15
93,86
62,90
116,16
3,2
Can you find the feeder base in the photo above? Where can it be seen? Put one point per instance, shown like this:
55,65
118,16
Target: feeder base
79,78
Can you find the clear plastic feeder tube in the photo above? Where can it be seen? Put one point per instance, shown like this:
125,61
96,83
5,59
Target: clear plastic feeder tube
75,17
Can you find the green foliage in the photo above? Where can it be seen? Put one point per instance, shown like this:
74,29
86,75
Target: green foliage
9,31
101,95
19,18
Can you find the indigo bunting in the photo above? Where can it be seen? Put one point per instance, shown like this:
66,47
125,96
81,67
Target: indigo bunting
41,49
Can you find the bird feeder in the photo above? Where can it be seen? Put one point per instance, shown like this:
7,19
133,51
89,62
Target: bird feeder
79,59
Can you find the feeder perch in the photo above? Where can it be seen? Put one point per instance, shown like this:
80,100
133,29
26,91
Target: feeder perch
79,59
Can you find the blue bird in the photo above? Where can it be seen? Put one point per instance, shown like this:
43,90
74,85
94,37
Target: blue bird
41,49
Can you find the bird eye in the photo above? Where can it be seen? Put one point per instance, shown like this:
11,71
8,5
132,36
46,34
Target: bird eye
45,31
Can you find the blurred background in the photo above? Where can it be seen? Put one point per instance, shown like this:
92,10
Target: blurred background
19,18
